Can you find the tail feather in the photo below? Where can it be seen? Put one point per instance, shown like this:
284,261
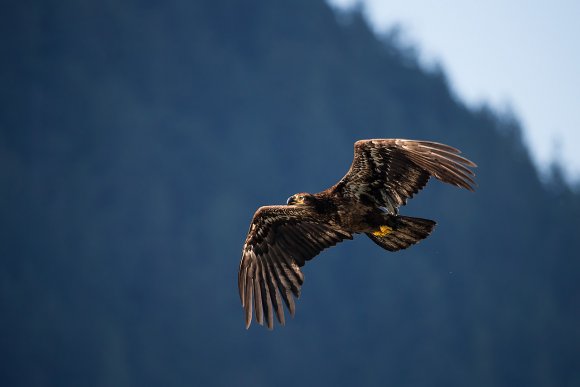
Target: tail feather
402,232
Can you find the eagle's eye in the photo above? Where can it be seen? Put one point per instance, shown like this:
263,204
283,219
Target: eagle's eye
295,199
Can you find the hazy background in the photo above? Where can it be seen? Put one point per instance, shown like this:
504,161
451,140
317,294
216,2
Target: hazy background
138,138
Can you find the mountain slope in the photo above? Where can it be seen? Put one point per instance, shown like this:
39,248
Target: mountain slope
136,141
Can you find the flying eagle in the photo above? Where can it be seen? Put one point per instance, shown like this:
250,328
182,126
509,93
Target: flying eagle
383,175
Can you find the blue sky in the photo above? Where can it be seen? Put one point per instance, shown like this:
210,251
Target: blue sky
521,56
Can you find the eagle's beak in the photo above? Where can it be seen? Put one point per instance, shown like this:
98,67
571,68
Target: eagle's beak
291,200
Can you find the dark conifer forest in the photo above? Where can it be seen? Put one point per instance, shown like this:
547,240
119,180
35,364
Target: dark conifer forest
137,138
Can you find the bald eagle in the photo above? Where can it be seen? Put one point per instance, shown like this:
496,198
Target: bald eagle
383,175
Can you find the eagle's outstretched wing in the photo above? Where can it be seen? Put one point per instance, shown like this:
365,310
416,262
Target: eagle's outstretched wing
386,173
280,240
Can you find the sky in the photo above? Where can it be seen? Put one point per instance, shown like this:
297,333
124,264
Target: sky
517,56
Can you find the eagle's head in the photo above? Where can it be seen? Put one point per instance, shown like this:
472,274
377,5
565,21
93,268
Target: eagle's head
301,199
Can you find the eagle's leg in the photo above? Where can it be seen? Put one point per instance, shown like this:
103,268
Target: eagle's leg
400,232
383,231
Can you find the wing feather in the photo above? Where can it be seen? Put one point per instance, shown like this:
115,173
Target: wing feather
248,299
280,240
266,299
274,291
258,292
295,278
242,274
389,172
282,283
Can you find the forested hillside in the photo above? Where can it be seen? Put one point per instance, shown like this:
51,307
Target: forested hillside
137,139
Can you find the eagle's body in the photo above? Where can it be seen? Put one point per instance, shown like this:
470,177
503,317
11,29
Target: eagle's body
383,175
344,213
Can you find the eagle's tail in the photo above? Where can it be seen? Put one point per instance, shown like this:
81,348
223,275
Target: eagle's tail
402,232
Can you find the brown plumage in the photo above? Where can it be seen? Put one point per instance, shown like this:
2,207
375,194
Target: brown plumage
383,175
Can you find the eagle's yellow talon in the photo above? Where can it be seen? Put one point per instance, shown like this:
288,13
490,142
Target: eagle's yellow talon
383,231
